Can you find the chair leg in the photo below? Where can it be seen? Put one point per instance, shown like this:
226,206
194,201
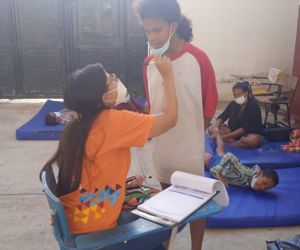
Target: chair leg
267,110
288,114
275,118
172,238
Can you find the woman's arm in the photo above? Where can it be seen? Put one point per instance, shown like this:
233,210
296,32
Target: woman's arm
221,118
215,125
168,118
225,115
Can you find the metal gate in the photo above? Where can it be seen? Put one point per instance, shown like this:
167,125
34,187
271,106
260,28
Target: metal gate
43,41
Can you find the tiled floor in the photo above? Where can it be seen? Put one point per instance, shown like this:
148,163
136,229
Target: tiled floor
24,214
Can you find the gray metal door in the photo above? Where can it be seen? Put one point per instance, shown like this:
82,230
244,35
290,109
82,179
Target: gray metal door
41,52
98,33
136,50
43,41
106,31
8,81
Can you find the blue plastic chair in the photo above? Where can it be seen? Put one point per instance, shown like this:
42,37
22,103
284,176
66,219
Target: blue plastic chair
121,234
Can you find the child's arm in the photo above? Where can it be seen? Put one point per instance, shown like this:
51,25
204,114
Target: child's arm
219,141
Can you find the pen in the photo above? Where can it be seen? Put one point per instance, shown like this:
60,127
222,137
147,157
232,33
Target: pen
147,63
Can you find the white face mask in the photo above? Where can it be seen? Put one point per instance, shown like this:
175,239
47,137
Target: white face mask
163,49
240,100
253,181
123,96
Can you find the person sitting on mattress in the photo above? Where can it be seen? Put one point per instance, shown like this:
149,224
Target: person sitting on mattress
227,168
244,127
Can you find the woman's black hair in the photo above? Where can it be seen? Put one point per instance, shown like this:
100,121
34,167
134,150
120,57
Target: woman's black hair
50,119
167,10
83,94
245,86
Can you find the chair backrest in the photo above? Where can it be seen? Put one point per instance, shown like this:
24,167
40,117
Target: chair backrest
274,75
290,86
61,226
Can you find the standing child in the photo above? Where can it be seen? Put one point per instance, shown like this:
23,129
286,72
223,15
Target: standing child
182,148
93,156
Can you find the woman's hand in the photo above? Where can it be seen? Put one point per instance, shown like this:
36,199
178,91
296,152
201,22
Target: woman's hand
134,181
213,131
164,66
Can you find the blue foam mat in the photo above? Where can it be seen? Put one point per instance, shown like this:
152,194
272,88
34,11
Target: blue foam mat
279,206
268,155
35,129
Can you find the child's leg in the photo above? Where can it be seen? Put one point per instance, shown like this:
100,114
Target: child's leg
197,232
229,159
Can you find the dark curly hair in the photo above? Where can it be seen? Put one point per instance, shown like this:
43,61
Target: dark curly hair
167,10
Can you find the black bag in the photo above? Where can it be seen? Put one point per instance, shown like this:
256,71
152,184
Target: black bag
277,132
284,244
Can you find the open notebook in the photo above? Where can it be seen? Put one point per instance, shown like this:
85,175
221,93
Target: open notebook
187,194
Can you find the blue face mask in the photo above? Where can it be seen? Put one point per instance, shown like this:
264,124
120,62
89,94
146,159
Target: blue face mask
163,49
57,114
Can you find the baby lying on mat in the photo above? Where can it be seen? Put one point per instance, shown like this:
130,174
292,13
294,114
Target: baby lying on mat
227,168
63,117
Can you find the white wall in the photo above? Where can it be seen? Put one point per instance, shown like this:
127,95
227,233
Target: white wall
244,36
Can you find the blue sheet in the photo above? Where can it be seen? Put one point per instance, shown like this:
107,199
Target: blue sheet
268,155
279,206
35,129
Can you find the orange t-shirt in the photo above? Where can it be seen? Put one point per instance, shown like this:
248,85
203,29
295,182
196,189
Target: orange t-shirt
97,203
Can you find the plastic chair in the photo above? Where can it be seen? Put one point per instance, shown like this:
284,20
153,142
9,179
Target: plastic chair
272,103
272,85
120,234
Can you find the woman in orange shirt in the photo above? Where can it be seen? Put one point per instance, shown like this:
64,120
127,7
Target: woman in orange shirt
93,156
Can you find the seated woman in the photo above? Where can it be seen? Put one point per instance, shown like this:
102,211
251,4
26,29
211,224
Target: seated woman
244,119
93,156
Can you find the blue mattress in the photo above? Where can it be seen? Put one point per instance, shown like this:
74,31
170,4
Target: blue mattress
268,155
279,206
35,129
